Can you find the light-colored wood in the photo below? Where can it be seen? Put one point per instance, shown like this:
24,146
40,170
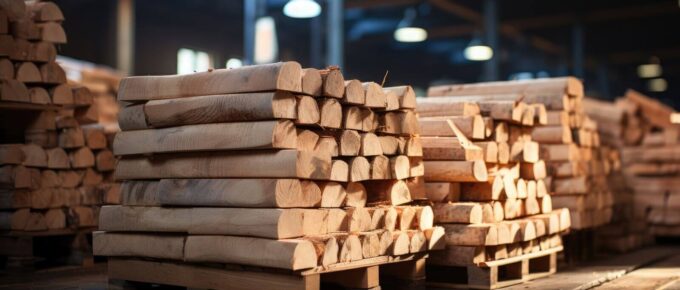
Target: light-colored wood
353,118
350,248
493,189
138,245
307,111
223,136
472,127
391,101
359,169
399,167
339,171
471,235
349,143
223,108
281,193
284,76
436,107
380,167
534,91
354,93
533,170
272,164
449,148
311,82
407,97
399,123
330,112
356,194
552,135
390,145
455,171
333,194
266,223
326,247
395,192
286,254
333,83
370,145
375,97
458,212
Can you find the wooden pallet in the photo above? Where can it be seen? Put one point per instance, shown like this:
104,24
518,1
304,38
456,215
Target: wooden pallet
22,249
409,270
495,274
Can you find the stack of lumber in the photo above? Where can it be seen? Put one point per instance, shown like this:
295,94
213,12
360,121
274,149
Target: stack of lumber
28,71
649,141
58,178
568,142
267,166
625,232
103,83
486,179
53,181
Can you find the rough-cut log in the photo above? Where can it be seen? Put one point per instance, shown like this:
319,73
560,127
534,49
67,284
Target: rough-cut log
82,158
52,73
356,195
283,163
333,83
407,97
472,127
490,150
461,213
391,101
311,82
138,245
350,248
326,247
52,32
307,111
95,138
281,193
224,136
533,171
359,169
13,153
399,122
339,171
314,222
354,93
380,167
437,107
484,191
333,194
352,118
71,138
285,76
330,112
395,192
552,135
370,145
327,145
534,91
375,97
13,90
449,148
57,159
399,167
401,244
286,254
27,72
35,156
455,171
6,67
349,142
471,235
267,223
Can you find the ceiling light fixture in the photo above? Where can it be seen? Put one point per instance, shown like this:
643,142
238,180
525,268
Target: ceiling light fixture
477,50
302,9
406,30
657,85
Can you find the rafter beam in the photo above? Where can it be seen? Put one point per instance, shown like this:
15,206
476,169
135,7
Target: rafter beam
477,19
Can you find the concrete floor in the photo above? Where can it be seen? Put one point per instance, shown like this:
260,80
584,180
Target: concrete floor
652,268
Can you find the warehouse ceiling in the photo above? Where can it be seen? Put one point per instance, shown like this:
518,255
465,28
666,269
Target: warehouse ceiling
536,37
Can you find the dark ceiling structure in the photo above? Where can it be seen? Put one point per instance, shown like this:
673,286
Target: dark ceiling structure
535,37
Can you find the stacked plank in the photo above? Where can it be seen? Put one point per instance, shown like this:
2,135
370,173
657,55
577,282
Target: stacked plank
55,180
643,130
625,232
270,165
487,182
52,181
28,71
103,83
568,141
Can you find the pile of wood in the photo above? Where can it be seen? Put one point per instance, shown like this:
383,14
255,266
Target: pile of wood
649,141
484,174
269,166
568,142
28,71
56,179
103,83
